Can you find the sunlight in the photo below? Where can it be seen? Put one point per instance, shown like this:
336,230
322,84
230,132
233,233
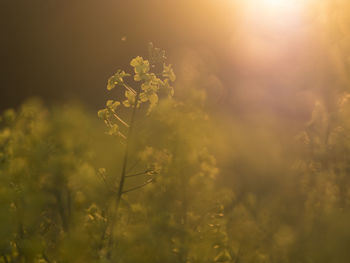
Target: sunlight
268,48
269,25
277,5
274,8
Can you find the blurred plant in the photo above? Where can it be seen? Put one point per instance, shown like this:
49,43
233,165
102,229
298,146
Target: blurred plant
181,214
43,203
287,201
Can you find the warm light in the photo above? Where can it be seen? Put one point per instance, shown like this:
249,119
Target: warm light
270,14
267,48
275,6
277,3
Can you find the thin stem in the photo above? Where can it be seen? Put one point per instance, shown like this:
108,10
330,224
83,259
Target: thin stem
138,187
137,161
129,88
109,124
140,173
122,135
123,174
126,155
120,119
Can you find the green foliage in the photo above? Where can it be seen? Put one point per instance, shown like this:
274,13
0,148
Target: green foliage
46,184
179,184
175,161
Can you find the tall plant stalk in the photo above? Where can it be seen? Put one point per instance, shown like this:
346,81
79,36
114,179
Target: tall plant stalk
150,84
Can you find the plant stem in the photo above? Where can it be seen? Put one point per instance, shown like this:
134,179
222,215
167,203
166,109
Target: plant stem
123,174
126,155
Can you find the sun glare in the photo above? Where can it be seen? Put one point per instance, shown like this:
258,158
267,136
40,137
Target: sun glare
279,4
266,34
271,14
276,6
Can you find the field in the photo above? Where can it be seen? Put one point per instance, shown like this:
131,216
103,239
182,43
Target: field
202,131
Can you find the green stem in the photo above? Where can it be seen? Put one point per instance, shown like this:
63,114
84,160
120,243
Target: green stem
123,174
126,155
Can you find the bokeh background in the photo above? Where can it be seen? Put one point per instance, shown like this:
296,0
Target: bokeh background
253,150
67,49
253,56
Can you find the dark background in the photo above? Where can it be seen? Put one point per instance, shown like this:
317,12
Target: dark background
63,50
66,49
